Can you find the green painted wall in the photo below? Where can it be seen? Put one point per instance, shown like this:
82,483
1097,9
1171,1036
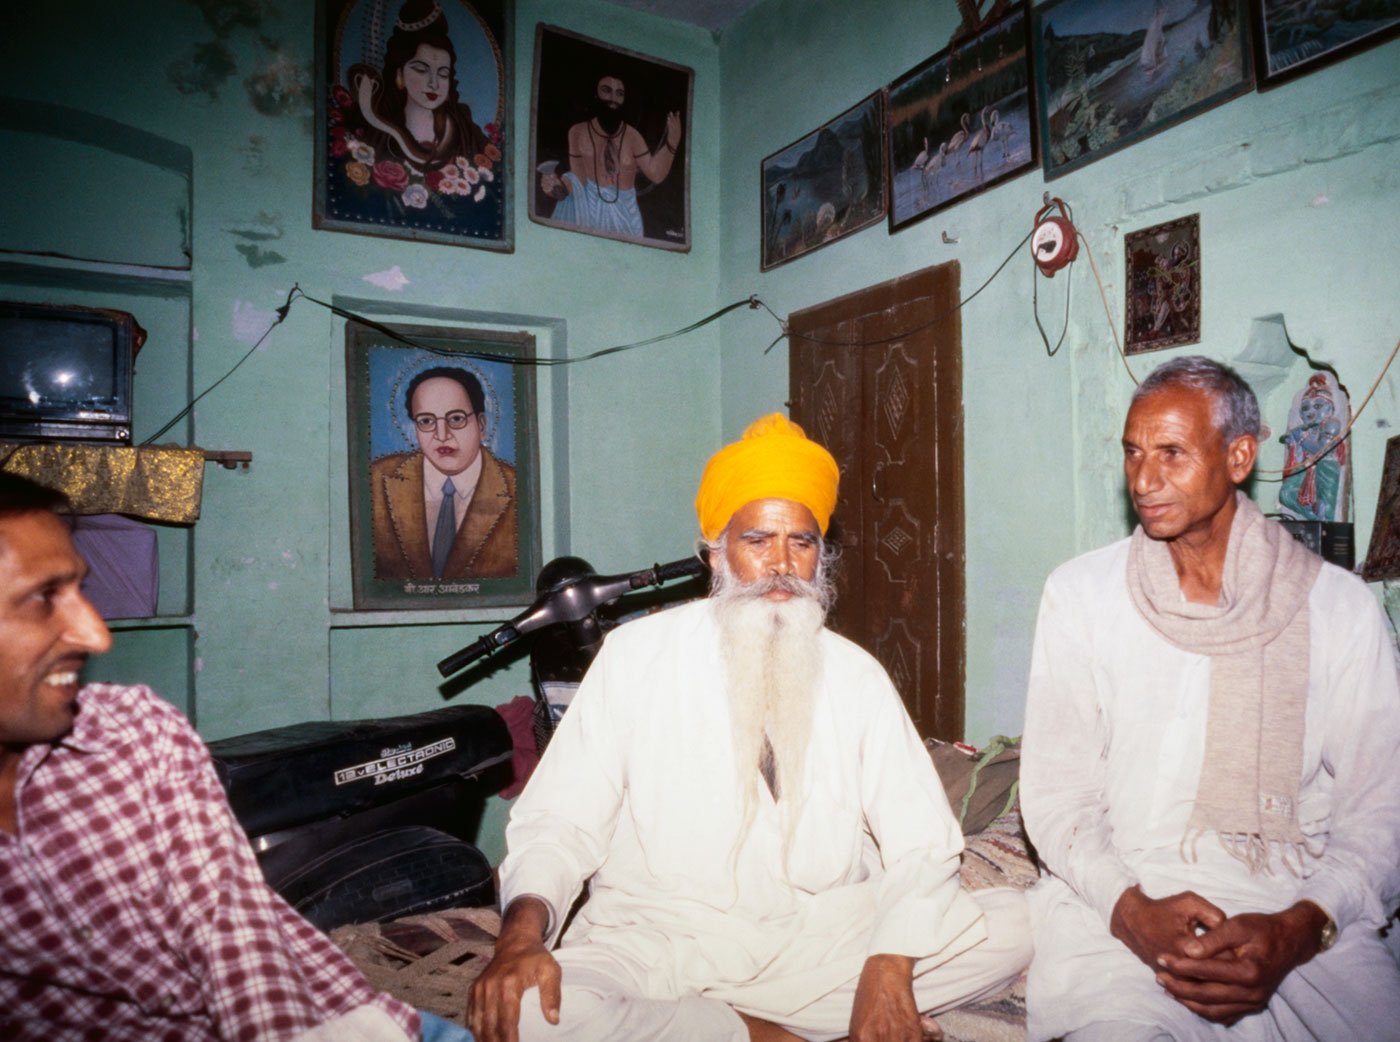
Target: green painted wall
1298,189
622,439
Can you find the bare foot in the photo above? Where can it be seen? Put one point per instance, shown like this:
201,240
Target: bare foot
932,1032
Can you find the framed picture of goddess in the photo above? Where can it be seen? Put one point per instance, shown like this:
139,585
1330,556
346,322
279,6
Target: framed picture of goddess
412,109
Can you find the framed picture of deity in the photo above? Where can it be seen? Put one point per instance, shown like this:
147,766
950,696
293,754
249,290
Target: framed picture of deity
1293,38
609,141
1163,285
962,121
413,101
1112,72
826,185
444,467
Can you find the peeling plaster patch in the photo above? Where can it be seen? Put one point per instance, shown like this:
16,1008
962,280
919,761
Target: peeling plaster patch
249,324
258,257
282,87
393,280
254,154
1320,200
224,16
194,335
261,228
1382,424
199,663
272,585
204,72
264,228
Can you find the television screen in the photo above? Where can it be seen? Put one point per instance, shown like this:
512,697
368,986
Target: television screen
65,372
69,363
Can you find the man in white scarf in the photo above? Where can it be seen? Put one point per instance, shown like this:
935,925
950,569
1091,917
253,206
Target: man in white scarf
1212,724
768,852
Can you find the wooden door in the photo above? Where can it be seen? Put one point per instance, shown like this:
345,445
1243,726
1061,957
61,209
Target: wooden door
876,376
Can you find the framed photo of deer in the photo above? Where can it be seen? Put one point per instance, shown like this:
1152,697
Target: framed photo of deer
1112,72
962,121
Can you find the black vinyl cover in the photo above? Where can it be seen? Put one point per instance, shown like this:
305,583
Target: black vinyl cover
288,776
388,875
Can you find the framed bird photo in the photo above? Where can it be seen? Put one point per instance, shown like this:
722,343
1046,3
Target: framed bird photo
962,121
825,185
1112,72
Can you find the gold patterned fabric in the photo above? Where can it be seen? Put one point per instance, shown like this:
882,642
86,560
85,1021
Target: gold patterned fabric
155,484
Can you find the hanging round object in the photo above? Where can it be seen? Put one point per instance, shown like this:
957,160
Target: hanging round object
1054,242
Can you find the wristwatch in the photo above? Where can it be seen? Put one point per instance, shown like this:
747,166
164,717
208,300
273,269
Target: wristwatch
1328,935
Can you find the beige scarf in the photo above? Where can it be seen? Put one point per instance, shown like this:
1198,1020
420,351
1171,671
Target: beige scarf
1257,640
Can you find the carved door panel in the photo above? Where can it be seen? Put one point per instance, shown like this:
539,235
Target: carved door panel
876,376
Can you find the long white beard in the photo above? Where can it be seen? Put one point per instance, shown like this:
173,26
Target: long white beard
772,659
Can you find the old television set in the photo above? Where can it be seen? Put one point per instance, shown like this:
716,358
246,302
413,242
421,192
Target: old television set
65,371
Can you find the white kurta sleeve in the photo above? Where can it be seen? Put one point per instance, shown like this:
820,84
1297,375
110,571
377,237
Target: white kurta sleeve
1062,756
920,908
560,826
1358,875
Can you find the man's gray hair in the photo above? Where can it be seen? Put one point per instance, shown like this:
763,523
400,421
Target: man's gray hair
1234,407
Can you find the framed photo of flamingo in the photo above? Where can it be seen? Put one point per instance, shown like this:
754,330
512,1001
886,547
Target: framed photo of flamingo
413,102
1112,72
825,185
961,121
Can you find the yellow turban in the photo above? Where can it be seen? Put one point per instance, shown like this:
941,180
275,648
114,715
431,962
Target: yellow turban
773,460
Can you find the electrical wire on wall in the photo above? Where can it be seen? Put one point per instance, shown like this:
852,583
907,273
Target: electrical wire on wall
751,302
1055,244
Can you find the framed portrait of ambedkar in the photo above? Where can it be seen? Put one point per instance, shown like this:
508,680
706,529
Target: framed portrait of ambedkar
444,467
412,120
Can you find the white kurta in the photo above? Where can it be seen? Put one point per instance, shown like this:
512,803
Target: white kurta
639,791
1115,732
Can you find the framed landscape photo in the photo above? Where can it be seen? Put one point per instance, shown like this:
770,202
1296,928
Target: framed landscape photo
824,186
609,141
413,101
444,467
962,121
1163,265
1112,72
1293,38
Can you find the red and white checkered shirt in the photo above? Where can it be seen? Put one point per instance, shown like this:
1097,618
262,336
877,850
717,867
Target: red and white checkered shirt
132,908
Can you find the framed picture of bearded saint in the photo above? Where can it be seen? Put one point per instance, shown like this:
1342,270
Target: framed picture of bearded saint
609,141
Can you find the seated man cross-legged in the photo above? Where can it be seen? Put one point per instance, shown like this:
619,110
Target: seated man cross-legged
767,848
1208,774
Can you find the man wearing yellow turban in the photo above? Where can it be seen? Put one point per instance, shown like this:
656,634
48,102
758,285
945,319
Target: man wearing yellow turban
768,851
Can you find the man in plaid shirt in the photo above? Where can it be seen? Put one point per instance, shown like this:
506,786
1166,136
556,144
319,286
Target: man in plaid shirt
131,906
